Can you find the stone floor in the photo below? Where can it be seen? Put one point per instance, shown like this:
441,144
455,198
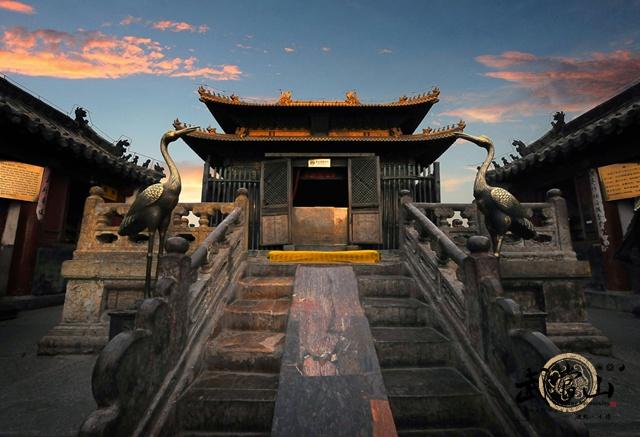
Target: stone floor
618,415
40,396
50,396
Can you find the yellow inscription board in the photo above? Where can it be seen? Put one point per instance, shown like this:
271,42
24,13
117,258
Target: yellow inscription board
320,163
20,181
621,181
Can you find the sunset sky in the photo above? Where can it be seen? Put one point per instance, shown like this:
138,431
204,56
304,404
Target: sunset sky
503,68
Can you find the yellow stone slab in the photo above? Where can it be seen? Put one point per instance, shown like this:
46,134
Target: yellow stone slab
308,256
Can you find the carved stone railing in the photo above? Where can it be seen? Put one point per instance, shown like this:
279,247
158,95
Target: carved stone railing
464,291
99,231
460,221
543,275
140,373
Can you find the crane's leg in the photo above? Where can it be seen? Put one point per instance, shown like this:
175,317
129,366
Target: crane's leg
162,240
498,245
147,280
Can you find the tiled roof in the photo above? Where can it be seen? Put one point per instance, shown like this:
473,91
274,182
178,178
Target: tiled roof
21,109
350,101
426,135
593,127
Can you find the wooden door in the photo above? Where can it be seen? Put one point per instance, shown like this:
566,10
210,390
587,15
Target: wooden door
275,202
365,224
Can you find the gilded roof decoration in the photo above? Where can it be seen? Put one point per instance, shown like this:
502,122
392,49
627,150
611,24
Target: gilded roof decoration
286,99
241,134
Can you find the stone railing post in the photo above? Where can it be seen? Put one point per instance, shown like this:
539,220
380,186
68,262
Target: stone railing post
481,287
174,280
405,198
554,196
89,217
242,200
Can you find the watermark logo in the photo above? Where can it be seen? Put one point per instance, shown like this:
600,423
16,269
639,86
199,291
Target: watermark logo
568,382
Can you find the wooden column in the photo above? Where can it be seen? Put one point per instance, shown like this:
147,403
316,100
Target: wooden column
9,232
25,249
615,273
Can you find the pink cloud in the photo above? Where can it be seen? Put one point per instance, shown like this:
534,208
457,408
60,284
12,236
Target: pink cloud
84,55
15,6
289,49
551,83
179,26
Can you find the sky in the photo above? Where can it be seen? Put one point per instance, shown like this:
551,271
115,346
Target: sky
504,67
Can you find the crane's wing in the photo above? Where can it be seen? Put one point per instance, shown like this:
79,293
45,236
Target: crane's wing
131,223
507,202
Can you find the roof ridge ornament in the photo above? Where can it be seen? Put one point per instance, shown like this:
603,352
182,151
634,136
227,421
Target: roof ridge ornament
352,98
285,98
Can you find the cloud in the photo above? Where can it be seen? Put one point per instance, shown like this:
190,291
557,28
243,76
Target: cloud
191,177
173,26
450,185
539,84
385,51
126,21
289,49
15,6
506,59
91,55
179,26
326,49
495,113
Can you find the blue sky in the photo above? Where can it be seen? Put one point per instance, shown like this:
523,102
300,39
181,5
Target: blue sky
503,67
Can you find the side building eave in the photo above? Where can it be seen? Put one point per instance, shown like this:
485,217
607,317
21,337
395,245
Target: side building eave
46,140
579,146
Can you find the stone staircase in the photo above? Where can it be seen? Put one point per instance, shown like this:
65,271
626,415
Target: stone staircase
236,392
428,395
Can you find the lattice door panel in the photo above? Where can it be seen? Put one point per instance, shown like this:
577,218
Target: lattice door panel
364,182
275,184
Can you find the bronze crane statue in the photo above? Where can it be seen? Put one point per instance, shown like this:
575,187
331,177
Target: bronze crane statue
501,210
152,208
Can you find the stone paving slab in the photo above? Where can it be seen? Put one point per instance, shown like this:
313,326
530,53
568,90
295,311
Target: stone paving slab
41,395
619,415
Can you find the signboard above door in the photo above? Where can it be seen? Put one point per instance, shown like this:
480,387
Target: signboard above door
321,162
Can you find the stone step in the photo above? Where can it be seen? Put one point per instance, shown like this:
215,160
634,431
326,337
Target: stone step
224,434
249,351
265,287
386,286
432,397
411,347
389,265
257,315
445,432
395,311
229,402
260,267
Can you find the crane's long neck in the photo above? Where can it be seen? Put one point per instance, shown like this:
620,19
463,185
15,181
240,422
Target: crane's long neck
173,180
481,181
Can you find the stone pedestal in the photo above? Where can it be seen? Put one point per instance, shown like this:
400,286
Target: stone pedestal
554,287
96,285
